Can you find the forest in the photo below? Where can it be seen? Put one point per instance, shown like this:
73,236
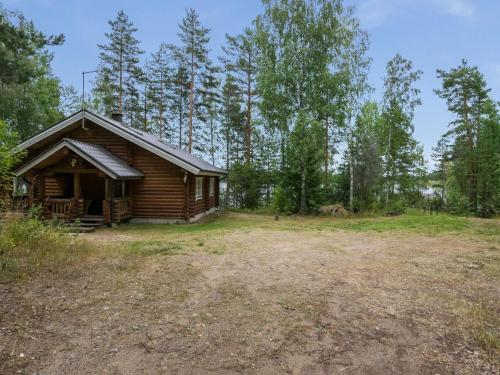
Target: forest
287,109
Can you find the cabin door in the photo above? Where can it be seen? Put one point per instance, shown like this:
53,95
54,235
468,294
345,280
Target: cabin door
93,193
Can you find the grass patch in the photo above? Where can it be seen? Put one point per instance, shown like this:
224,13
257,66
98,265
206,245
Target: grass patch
28,246
482,324
149,248
415,222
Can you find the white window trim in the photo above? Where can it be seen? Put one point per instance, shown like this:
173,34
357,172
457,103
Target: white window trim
211,187
199,188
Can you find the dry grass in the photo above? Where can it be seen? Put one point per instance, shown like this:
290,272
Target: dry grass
28,246
242,293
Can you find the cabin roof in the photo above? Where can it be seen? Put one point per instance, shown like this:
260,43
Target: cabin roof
96,155
144,139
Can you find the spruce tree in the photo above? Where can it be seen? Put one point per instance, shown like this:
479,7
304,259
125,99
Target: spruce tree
365,157
488,161
119,73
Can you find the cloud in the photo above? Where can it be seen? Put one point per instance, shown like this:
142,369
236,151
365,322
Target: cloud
461,8
373,13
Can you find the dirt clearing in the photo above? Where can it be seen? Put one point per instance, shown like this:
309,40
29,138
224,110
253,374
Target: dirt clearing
259,300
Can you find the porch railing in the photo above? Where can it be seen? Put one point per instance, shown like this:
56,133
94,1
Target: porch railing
117,209
57,208
62,208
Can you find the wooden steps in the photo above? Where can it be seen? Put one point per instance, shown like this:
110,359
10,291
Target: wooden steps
86,224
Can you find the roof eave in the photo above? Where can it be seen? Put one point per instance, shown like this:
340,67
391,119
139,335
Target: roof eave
116,130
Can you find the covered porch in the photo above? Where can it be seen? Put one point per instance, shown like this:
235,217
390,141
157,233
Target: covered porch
79,181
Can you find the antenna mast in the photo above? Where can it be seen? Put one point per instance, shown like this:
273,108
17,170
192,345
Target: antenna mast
83,86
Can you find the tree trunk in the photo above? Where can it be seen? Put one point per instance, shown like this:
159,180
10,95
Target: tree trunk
160,115
302,208
191,106
120,89
248,124
388,168
326,153
471,180
145,125
181,116
351,182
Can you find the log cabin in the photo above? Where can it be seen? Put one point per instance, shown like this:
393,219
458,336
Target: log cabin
92,166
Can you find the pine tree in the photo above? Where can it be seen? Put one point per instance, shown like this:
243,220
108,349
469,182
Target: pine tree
209,109
232,119
241,60
29,92
179,92
119,74
464,90
158,71
194,38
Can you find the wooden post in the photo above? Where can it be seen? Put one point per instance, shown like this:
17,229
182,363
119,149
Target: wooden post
187,196
123,188
76,185
107,205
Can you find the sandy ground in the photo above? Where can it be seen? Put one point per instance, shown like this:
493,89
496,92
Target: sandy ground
257,301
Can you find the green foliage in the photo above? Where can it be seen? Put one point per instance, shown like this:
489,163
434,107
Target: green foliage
119,72
488,162
457,202
194,39
365,154
28,245
403,160
241,62
397,205
244,183
466,95
8,159
35,212
29,93
301,177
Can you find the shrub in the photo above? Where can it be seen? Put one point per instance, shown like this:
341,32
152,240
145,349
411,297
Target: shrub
486,211
457,203
28,245
244,185
397,205
337,210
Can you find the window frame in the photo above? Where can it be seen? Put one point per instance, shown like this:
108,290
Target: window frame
21,187
198,192
211,187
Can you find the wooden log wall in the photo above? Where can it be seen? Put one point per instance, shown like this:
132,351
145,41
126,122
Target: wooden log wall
54,186
162,192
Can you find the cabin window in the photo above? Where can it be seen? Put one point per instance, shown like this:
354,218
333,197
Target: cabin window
21,187
199,188
211,187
